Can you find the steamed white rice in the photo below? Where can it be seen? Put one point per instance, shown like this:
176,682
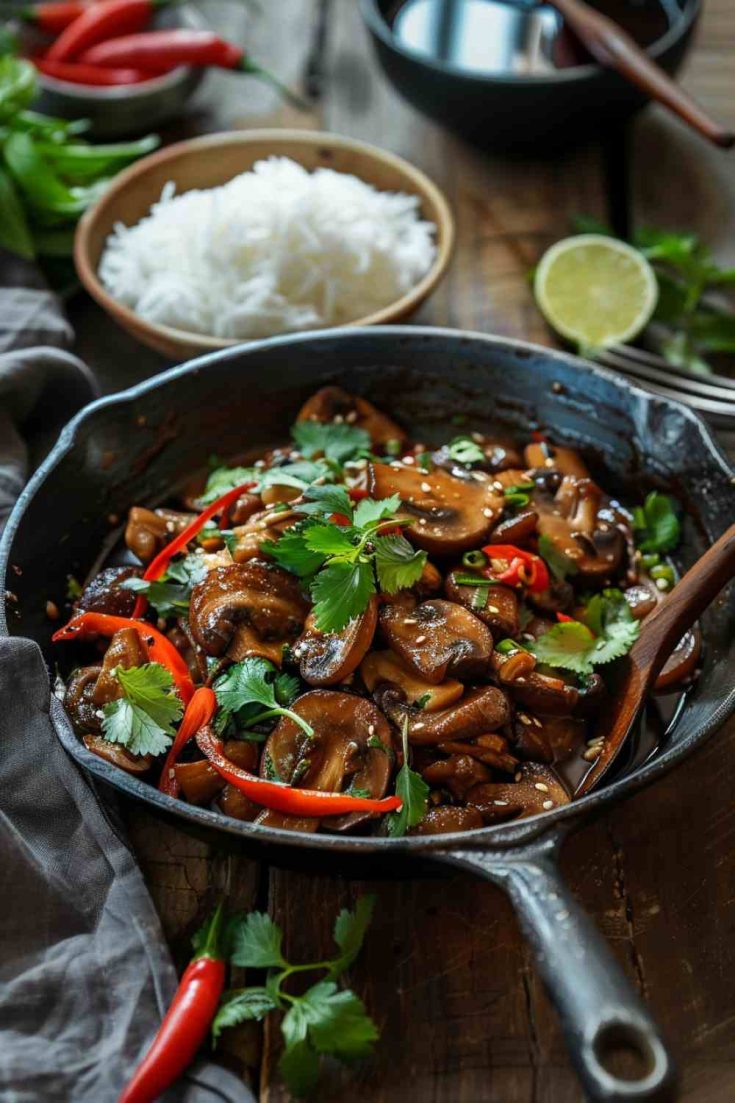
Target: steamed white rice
276,249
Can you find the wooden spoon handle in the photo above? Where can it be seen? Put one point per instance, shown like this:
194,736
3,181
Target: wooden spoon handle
663,629
613,47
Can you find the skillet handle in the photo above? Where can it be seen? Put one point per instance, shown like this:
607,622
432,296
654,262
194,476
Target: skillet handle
601,1014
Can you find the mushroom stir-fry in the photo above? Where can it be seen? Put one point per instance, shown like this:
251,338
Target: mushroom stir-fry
360,634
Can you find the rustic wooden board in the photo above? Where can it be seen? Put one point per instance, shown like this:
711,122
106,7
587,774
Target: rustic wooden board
444,970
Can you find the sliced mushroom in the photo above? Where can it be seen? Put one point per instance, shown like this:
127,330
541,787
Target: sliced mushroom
457,774
147,530
540,692
126,649
516,530
78,700
267,525
643,598
449,514
578,522
256,595
135,764
350,748
327,658
490,749
446,818
556,458
437,638
199,781
547,738
479,711
244,508
536,789
235,804
384,667
334,404
430,582
497,606
105,593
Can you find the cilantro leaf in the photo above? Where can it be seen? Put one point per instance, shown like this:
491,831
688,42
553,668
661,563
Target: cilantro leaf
335,441
143,720
341,591
336,1021
464,450
332,540
257,942
607,632
656,524
299,1066
413,791
349,932
567,645
249,1003
298,474
167,598
254,682
133,728
326,500
398,563
291,553
369,510
287,688
560,565
222,479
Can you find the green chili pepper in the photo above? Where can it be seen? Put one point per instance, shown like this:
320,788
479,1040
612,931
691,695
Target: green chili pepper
17,85
662,572
15,234
650,560
474,559
517,501
82,162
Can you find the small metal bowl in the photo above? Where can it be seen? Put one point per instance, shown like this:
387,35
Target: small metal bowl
128,109
520,113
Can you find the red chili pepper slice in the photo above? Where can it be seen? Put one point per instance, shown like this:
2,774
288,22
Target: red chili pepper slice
564,619
199,711
524,568
281,797
160,648
99,22
75,73
158,566
340,519
186,1023
356,494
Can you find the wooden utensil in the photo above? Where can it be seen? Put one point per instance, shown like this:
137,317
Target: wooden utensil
660,634
614,48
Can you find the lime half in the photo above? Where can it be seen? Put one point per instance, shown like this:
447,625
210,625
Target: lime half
595,290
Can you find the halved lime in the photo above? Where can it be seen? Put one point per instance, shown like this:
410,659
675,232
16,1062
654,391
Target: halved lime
595,290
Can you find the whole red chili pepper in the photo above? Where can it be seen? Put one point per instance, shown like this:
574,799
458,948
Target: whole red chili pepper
199,712
282,797
98,22
158,565
53,17
76,73
186,1022
524,568
164,50
160,648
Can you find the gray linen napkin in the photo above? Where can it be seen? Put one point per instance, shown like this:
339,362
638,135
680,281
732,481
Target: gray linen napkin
85,974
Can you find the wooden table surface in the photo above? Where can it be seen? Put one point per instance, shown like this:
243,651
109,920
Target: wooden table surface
444,971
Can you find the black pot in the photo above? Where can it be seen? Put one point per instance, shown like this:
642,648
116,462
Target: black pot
136,446
516,113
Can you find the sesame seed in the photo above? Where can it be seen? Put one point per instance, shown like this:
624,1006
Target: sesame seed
371,729
591,754
426,487
536,723
418,727
396,465
170,526
498,486
477,437
487,512
99,714
541,787
421,639
549,462
422,520
547,805
662,584
410,620
491,609
524,719
518,776
500,803
409,460
320,481
338,419
172,773
520,681
351,417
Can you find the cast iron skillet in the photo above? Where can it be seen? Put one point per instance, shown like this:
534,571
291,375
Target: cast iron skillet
136,446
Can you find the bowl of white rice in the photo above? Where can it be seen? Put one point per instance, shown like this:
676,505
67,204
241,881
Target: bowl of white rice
234,237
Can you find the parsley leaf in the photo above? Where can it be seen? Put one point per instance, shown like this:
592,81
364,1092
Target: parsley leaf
333,540
397,563
464,450
222,479
413,791
299,1067
256,942
170,595
349,932
336,1021
656,524
249,1003
369,510
143,721
256,682
334,441
341,592
560,565
326,500
607,632
299,474
291,553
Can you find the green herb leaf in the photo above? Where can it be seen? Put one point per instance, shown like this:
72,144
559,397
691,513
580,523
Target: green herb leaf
291,552
247,1004
341,591
568,645
466,451
144,720
608,632
349,932
15,234
329,540
369,511
398,564
257,942
254,682
133,728
656,524
413,791
338,442
560,565
326,500
336,1021
223,479
299,1065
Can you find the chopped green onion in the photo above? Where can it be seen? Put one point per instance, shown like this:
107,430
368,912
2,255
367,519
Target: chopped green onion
424,462
508,646
650,560
474,559
392,447
519,488
474,580
663,575
517,501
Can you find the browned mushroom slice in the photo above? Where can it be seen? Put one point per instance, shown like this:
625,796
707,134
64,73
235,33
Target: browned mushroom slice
540,692
516,530
579,523
449,515
479,711
200,783
555,457
235,804
244,508
496,606
430,582
268,817
380,667
256,595
682,662
334,404
105,593
267,525
327,658
126,650
79,702
350,748
547,738
457,774
112,752
535,789
437,638
147,530
491,750
446,818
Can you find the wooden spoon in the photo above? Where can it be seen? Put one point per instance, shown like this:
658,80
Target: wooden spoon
614,48
660,633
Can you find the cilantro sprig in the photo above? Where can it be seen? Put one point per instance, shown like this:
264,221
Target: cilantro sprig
606,632
253,691
170,595
560,565
337,442
144,719
325,1019
465,450
345,564
413,791
298,474
655,524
